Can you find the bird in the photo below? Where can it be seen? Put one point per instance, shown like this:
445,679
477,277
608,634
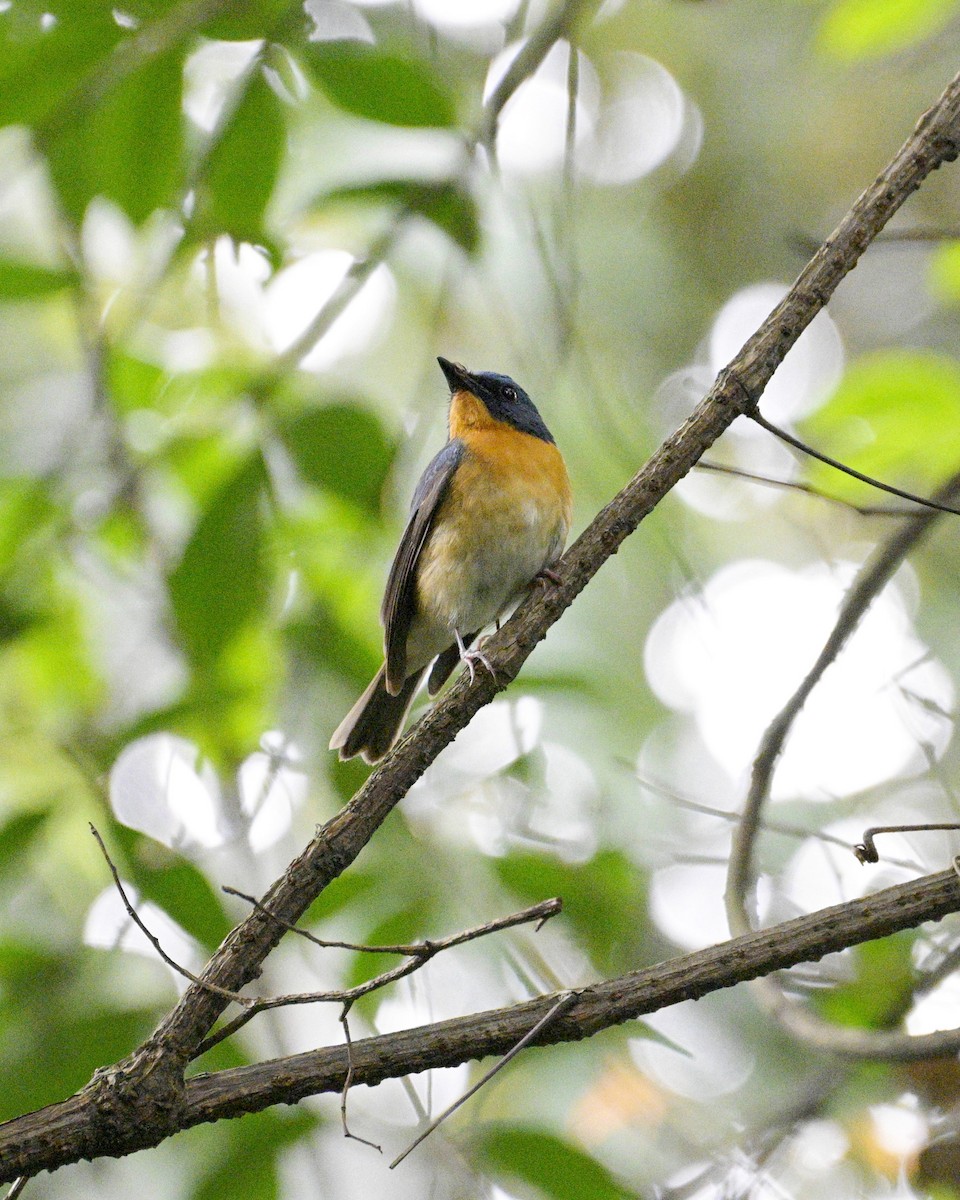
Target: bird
488,520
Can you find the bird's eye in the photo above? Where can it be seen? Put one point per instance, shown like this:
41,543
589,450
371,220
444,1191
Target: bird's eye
510,393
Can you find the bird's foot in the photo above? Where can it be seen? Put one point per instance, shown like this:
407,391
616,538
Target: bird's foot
545,576
469,657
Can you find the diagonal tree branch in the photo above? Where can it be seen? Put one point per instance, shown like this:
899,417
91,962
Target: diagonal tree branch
144,1098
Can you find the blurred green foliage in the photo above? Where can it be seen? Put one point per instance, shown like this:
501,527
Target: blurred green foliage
194,530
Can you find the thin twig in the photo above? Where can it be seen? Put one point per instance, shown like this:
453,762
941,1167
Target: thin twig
348,1079
781,828
360,271
873,577
755,415
793,1015
534,50
866,851
566,1001
417,954
16,1188
808,489
153,940
32,1142
536,912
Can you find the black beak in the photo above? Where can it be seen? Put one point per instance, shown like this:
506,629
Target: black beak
458,377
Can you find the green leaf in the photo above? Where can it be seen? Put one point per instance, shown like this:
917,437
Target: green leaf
370,83
856,29
245,22
605,900
248,1152
17,834
134,383
547,1163
221,579
43,60
129,146
884,981
447,204
243,165
27,281
61,1027
895,416
342,448
945,272
26,513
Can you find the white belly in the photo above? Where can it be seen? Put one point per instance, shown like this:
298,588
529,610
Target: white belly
468,587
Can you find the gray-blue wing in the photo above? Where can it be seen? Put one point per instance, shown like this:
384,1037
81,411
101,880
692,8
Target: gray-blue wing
400,599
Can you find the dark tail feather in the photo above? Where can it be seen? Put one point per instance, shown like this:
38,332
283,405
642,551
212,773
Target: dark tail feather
371,727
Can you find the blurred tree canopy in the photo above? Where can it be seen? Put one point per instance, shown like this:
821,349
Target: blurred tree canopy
233,238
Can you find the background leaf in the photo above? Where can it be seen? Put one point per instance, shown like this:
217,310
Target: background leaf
854,29
547,1163
243,165
447,204
379,86
42,61
93,154
221,579
27,281
895,416
343,449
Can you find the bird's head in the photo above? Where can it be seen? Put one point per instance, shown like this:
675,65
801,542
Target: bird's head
502,399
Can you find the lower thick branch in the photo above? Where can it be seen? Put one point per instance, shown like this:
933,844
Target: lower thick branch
75,1129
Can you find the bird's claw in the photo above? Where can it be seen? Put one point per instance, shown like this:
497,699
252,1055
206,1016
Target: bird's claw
470,657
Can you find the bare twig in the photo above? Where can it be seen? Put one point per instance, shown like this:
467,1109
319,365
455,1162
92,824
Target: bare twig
873,577
17,1187
49,1138
348,1079
540,912
566,1001
155,941
782,828
808,489
756,415
417,954
360,271
559,24
866,851
793,1015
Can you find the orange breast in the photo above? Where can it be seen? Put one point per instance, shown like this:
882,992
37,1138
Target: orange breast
504,518
505,460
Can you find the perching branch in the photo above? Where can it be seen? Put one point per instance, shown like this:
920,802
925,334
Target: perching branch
145,1098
